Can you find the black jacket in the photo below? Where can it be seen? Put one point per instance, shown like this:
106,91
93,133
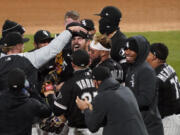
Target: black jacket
141,80
17,112
116,108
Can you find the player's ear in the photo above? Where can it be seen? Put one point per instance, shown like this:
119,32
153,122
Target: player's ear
154,58
35,45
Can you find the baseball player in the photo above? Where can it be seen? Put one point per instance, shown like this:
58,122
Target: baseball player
100,56
168,88
14,45
42,38
18,110
71,16
115,107
141,79
110,18
11,26
89,26
79,85
80,40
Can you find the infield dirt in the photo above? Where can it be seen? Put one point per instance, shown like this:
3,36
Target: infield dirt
138,15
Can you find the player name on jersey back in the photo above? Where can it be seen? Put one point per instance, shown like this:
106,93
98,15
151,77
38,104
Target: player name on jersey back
166,73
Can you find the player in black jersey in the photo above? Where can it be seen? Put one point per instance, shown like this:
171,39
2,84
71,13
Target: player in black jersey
167,85
100,56
79,85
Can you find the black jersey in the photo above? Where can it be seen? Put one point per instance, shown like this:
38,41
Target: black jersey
115,69
79,85
169,90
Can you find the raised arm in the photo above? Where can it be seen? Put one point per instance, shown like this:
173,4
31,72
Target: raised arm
44,54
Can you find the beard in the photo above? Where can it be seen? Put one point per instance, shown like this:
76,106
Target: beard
95,62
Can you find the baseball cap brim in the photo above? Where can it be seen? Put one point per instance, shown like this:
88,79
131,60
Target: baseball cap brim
74,24
24,41
46,40
81,34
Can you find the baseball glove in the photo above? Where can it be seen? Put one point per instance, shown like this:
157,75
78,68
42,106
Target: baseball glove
59,63
53,124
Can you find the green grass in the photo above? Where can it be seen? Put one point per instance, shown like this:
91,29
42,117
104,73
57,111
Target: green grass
170,38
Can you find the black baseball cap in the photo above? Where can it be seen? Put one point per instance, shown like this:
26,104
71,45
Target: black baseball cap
80,33
14,38
88,24
160,50
42,36
101,73
110,12
11,26
80,58
73,24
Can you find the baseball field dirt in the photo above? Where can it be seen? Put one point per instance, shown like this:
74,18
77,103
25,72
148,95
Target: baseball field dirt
138,15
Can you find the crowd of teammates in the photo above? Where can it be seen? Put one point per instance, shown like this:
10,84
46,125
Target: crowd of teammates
70,83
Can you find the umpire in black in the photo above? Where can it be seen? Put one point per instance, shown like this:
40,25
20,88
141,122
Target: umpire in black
115,107
17,110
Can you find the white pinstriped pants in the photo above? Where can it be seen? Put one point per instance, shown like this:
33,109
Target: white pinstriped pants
171,125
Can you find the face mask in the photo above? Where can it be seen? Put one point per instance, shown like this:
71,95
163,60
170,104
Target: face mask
103,26
106,26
